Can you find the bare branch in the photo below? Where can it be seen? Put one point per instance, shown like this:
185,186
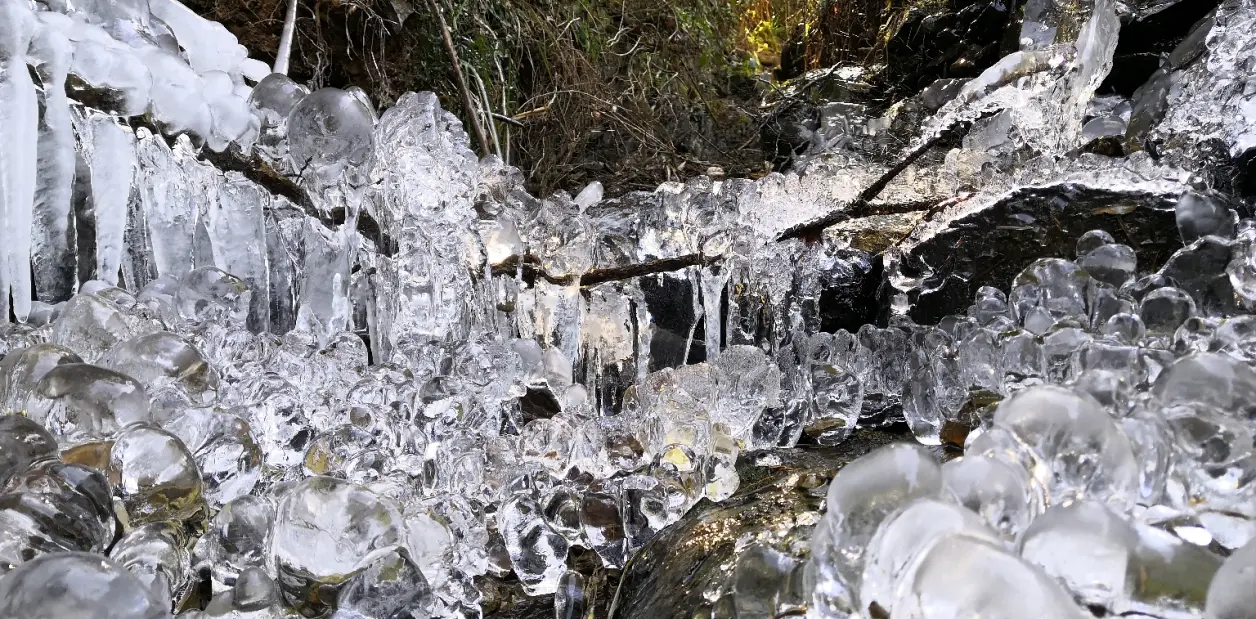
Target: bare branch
285,40
468,105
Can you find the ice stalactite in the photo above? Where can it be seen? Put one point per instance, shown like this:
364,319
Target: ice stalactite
169,204
52,238
112,161
237,233
19,143
714,280
324,288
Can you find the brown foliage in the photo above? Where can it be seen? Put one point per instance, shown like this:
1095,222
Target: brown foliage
628,92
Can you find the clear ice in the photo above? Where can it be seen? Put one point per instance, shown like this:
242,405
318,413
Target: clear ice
406,375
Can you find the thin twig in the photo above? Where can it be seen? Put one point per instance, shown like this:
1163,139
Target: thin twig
506,119
467,104
501,76
488,111
862,205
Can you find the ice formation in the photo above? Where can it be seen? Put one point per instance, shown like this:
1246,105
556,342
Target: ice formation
258,409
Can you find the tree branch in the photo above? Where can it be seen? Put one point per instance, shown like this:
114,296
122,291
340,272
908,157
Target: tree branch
467,103
285,40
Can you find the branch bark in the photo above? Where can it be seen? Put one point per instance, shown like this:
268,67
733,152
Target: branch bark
862,205
467,103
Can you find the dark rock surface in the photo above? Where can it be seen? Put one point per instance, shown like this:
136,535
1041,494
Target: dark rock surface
698,559
989,245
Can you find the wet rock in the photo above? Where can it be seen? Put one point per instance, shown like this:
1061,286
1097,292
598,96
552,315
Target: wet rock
1150,30
987,240
22,442
716,548
505,598
959,40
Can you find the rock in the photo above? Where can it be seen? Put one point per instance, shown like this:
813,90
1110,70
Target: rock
1150,30
705,555
1195,111
989,238
959,41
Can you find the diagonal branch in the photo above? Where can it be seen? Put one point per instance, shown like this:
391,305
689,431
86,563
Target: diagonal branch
285,40
468,105
862,205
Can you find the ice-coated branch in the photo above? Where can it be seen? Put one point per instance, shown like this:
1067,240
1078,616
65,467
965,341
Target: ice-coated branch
285,40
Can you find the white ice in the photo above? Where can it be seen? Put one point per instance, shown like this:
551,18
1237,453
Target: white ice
19,143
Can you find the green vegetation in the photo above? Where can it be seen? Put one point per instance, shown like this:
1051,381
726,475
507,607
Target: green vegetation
629,92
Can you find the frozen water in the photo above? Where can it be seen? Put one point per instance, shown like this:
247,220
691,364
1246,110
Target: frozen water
53,507
19,140
112,160
1200,215
154,476
324,531
329,131
1068,443
155,554
365,421
236,538
79,402
1000,491
1231,591
537,552
904,539
1087,547
77,584
273,99
964,576
52,254
391,586
859,498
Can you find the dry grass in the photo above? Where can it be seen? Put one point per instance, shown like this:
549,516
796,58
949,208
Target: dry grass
629,92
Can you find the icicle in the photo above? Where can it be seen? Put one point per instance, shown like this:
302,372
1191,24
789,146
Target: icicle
324,291
569,338
138,266
167,193
52,240
284,272
590,195
113,172
237,235
81,201
19,144
644,324
714,279
695,278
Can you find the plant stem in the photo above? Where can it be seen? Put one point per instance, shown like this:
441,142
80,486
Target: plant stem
467,104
